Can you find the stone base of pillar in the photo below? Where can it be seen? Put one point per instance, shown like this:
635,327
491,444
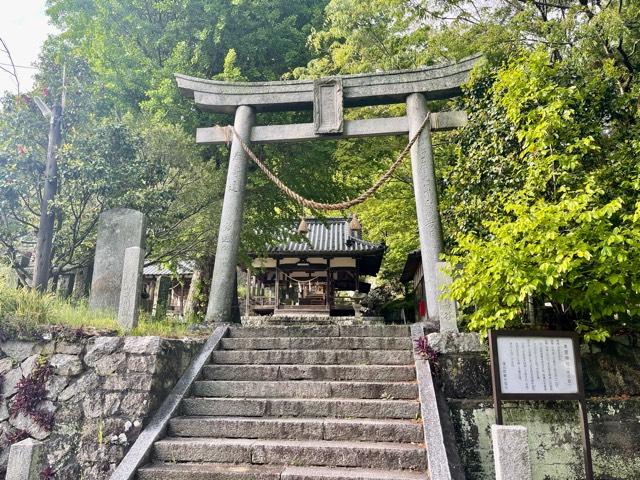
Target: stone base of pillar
447,308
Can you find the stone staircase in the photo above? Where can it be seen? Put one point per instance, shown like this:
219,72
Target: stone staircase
300,403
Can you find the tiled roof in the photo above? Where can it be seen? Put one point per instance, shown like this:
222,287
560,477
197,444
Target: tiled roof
414,259
184,268
328,235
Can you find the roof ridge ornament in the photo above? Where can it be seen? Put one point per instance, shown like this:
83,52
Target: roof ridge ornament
355,224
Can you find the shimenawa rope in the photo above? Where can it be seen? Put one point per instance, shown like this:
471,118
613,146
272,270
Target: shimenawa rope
228,131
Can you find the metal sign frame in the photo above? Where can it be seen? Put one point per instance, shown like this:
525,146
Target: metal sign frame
499,396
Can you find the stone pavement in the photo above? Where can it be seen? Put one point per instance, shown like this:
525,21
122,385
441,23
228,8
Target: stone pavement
300,403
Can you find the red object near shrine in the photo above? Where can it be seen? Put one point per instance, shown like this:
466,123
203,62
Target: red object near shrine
422,308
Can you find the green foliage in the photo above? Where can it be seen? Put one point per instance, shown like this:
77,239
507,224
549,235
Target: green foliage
577,253
538,194
565,229
27,313
167,327
132,48
104,164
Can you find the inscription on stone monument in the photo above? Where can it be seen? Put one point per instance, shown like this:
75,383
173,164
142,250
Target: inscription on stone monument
537,365
447,308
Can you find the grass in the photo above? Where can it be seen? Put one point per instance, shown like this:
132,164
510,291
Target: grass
25,312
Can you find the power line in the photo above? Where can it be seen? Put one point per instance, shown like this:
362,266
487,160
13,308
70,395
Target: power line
17,66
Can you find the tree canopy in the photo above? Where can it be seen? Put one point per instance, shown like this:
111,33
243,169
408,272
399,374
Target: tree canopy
538,194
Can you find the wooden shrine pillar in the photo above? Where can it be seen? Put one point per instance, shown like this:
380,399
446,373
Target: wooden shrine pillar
224,269
277,287
426,195
327,293
247,294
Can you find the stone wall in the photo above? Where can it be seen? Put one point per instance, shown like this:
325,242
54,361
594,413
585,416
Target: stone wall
612,382
100,391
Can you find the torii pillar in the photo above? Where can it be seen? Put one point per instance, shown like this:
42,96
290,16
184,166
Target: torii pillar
224,268
426,195
327,97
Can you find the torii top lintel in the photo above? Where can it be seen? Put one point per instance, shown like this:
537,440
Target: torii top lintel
435,82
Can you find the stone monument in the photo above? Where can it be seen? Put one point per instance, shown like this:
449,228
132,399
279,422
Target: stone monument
131,288
447,308
25,460
161,300
118,229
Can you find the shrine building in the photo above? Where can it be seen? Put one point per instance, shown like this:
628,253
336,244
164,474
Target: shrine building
319,275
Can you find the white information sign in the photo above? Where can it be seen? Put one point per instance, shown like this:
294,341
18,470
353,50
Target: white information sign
537,365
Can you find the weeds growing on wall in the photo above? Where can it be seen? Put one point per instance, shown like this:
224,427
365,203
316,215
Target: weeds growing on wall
31,391
425,350
47,473
15,436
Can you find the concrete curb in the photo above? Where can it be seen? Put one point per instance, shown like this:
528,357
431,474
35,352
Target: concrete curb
141,449
442,454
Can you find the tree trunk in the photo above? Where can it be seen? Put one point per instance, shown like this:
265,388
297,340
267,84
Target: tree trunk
203,286
192,302
42,265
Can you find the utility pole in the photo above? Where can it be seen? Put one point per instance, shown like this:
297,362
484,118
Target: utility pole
44,241
45,227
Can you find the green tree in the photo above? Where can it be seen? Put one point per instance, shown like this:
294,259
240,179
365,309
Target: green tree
120,147
564,230
545,164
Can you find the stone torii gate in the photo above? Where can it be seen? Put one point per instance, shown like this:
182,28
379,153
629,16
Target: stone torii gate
328,97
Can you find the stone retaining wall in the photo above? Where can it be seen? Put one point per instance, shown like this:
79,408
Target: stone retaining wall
100,392
612,382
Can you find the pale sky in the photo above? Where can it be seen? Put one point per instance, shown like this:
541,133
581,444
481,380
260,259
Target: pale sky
24,27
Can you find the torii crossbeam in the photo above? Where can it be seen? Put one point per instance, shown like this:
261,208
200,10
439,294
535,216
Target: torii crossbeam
328,97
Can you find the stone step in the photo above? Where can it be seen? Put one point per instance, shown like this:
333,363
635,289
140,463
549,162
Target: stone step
208,471
380,455
328,473
317,343
322,331
294,407
364,430
305,389
390,373
314,357
225,471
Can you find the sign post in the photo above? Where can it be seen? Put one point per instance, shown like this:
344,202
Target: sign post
539,365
